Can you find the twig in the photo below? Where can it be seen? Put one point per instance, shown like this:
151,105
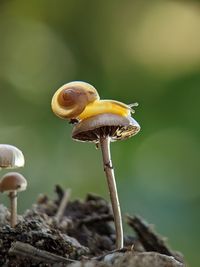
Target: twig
27,251
63,205
150,240
59,191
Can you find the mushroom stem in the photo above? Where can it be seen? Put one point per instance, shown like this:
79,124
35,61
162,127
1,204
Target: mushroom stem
13,208
108,168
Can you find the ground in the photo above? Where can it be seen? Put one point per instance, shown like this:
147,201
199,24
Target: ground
78,233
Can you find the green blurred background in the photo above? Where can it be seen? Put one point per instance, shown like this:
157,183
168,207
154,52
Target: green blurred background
144,51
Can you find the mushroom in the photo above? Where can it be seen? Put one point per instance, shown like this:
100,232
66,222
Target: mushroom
101,129
100,121
12,183
10,157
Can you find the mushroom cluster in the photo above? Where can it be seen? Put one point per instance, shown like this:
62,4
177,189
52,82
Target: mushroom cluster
100,122
12,182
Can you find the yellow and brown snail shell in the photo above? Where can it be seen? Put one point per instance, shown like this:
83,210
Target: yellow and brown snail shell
70,100
80,100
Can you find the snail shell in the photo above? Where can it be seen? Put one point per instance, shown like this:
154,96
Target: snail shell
70,100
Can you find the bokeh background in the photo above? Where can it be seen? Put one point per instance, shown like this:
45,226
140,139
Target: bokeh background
144,51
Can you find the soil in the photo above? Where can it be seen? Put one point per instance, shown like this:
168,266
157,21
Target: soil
61,232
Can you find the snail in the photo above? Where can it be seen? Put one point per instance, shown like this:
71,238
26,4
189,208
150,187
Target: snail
80,100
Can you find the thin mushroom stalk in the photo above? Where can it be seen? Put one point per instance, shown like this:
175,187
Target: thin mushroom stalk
108,168
13,208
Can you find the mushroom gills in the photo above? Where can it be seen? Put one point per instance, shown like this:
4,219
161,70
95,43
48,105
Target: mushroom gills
115,126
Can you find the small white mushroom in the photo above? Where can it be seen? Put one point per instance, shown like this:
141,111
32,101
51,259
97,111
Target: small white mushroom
10,157
12,183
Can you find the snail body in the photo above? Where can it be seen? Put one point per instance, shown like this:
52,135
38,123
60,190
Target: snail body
105,106
80,100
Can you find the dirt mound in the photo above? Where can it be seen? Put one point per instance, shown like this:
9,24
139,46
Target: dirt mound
77,233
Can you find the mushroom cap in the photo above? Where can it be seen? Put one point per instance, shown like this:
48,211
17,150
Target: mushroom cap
115,126
13,181
10,157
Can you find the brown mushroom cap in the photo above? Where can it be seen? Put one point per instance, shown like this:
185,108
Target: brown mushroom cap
113,125
10,157
13,181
